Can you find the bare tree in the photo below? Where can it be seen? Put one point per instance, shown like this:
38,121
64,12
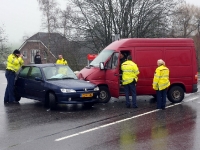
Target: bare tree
65,23
4,49
97,21
197,18
50,13
185,22
197,35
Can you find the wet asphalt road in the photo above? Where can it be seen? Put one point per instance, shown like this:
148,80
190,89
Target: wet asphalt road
111,126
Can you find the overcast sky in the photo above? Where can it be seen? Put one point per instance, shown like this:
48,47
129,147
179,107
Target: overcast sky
22,17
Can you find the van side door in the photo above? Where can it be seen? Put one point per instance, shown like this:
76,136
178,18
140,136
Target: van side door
112,75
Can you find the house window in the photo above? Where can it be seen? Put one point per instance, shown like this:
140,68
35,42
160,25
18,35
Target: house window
44,54
24,53
33,53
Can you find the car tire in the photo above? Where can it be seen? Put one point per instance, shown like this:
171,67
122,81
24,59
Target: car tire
52,101
175,94
104,96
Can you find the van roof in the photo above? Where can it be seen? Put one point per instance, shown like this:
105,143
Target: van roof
150,42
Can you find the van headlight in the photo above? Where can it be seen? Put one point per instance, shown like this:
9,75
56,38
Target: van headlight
96,88
68,91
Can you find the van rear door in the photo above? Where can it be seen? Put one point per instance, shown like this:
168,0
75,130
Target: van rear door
112,75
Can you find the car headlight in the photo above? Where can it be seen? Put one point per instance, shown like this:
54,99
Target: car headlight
96,88
68,91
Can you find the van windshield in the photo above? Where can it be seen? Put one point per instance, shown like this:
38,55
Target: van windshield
102,57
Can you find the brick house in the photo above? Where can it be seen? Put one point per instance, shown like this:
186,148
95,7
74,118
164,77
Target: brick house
53,44
48,45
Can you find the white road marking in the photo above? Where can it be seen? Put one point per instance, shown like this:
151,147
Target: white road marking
119,121
191,99
113,123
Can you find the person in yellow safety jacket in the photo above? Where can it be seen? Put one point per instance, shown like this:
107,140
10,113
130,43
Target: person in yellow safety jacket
130,74
161,83
62,61
14,62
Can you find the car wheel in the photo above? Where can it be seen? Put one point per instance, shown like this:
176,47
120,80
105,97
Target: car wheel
52,101
88,105
104,96
175,94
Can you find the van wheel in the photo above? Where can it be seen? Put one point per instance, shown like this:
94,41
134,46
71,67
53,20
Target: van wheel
104,96
175,94
52,101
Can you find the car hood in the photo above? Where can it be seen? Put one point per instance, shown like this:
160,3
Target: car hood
73,84
85,72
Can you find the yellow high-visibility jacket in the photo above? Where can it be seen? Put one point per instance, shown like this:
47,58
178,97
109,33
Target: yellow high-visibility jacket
130,72
14,63
161,78
61,61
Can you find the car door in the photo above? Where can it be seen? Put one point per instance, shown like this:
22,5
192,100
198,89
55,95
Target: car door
21,80
112,75
35,88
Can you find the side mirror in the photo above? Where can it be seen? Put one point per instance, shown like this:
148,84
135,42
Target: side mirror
101,66
38,79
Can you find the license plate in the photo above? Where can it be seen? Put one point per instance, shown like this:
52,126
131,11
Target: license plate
87,95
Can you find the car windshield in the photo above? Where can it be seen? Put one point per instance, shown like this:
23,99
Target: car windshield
102,57
58,72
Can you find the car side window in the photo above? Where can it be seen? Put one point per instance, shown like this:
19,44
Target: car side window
24,71
35,72
113,62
